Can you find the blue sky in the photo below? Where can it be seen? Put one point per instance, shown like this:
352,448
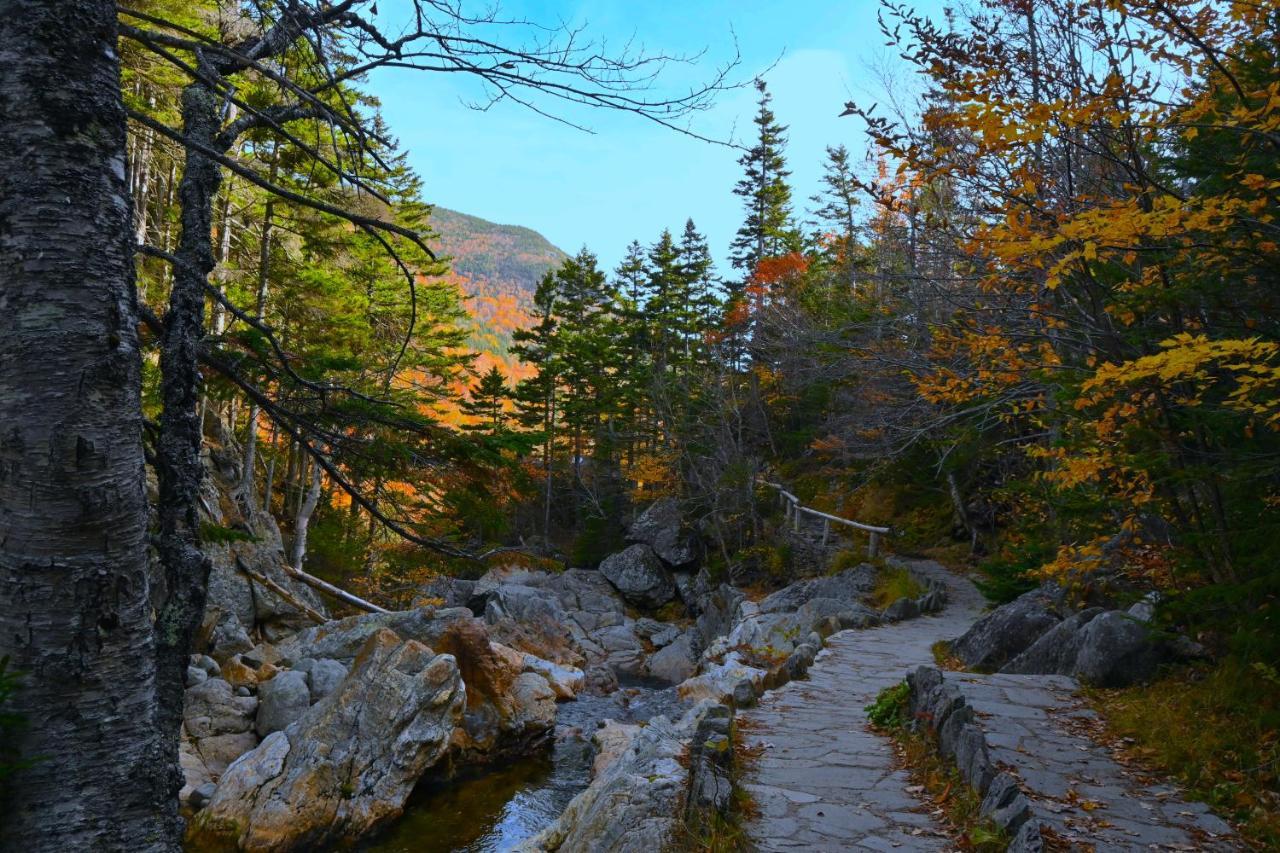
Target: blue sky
630,178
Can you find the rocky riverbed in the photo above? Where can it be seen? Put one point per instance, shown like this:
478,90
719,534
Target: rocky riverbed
555,707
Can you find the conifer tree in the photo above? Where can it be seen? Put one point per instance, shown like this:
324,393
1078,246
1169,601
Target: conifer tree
768,229
835,215
487,400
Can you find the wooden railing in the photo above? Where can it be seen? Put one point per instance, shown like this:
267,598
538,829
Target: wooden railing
792,509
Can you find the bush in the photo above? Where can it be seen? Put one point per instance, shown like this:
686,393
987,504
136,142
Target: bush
889,711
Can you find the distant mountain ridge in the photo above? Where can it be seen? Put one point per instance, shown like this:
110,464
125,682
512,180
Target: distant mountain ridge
485,251
497,267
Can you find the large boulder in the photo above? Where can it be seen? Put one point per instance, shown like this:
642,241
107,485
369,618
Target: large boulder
661,527
633,803
348,764
851,586
342,639
1109,648
212,708
510,710
282,700
1007,631
1056,650
639,576
1116,650
676,661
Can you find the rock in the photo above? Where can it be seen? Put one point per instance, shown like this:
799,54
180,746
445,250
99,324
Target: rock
565,681
611,741
661,528
348,764
744,694
323,676
600,680
217,752
1104,648
208,664
196,675
850,586
211,708
1007,631
718,681
201,795
632,805
1116,650
453,592
639,576
711,761
623,649
239,673
659,633
228,637
675,662
1145,610
509,712
903,608
282,700
1056,650
340,640
236,606
195,776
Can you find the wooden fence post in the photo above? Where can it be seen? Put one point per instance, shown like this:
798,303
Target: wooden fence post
873,546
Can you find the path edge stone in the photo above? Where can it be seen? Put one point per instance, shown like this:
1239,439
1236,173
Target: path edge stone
939,706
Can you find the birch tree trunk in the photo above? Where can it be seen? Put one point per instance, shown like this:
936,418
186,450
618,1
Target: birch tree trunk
303,519
74,590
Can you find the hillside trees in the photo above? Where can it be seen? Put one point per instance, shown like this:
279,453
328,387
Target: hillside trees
75,595
267,188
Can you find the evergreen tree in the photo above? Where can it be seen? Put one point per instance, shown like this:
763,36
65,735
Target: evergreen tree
487,400
835,214
768,230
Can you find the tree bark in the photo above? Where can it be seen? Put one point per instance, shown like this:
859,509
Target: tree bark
74,590
178,465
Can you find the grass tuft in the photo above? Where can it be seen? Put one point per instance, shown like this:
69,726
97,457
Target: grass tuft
894,582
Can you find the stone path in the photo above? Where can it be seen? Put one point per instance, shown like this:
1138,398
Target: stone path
826,782
1032,728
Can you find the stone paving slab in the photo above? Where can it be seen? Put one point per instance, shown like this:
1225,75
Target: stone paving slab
825,781
1074,785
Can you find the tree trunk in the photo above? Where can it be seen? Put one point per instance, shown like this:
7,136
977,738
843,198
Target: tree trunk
178,465
304,517
74,589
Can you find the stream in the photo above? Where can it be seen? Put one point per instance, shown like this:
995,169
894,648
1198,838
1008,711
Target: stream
495,811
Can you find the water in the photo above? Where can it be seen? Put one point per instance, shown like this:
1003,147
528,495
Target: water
493,812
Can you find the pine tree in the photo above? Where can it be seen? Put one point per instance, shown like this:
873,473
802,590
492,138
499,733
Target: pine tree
487,401
835,214
768,230
701,304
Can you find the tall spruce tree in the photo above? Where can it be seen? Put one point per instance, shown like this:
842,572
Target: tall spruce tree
768,229
835,214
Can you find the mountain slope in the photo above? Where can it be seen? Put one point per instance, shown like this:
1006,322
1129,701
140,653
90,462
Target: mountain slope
497,267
